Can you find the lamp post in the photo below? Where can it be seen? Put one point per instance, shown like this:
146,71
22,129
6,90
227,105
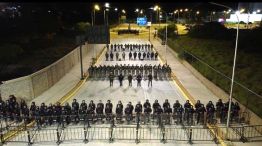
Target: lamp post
157,9
96,7
233,69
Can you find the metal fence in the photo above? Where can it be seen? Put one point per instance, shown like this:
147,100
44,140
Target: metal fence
83,132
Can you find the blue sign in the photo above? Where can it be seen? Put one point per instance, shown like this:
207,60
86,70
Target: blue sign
141,21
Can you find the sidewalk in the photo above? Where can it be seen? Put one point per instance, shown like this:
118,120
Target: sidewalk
188,80
68,82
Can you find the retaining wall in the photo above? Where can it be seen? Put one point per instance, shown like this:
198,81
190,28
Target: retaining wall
31,86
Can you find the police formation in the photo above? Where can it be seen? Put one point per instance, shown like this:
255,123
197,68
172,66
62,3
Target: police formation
186,114
113,71
140,52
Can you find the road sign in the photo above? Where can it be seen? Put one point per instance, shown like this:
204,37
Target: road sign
98,35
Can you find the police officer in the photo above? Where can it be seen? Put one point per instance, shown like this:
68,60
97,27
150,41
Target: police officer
139,79
67,112
92,106
176,105
58,112
75,110
138,108
83,105
198,104
166,106
111,56
50,113
210,111
135,54
130,55
200,113
150,78
111,78
124,56
155,106
156,55
139,55
108,110
130,78
117,56
119,108
120,78
107,55
100,108
144,56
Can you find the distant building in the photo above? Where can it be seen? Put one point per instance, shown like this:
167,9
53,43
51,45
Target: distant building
245,18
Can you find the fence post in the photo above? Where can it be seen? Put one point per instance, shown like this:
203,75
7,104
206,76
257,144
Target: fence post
163,132
215,135
242,136
58,136
190,136
85,133
111,130
137,127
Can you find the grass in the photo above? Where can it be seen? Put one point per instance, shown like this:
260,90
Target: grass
219,55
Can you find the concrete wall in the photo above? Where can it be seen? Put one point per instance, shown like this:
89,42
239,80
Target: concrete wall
31,86
254,119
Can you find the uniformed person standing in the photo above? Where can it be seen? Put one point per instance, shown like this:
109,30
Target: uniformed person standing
124,56
130,55
135,54
139,79
111,79
120,78
107,55
117,56
111,56
130,78
150,78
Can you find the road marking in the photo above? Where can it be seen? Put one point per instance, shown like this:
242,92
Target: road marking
191,99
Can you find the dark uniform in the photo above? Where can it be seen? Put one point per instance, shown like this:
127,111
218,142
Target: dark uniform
139,79
130,78
75,110
150,78
120,78
111,79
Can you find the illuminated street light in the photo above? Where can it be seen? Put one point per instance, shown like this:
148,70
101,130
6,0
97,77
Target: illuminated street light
123,11
242,10
107,5
137,10
214,12
254,12
141,12
186,10
181,10
258,11
197,12
97,7
116,9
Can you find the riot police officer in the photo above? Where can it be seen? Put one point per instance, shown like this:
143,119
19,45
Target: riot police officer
107,55
100,108
75,110
92,106
67,113
138,108
111,56
111,79
130,78
130,55
150,78
139,79
155,106
120,78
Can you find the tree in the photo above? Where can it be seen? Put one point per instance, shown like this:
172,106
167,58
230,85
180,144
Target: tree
171,31
211,30
81,27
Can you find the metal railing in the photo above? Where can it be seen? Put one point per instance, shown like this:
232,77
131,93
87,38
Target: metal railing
136,131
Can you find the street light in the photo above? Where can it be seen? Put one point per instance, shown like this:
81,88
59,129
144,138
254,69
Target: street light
116,9
106,16
157,9
233,69
186,10
96,8
197,12
258,11
123,11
